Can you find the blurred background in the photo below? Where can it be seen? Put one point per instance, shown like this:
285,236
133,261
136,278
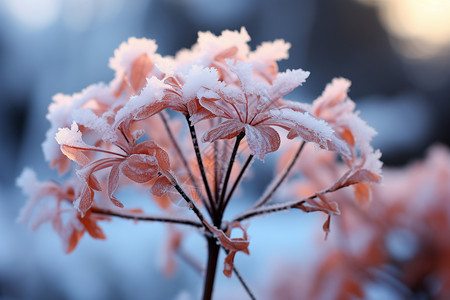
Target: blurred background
396,53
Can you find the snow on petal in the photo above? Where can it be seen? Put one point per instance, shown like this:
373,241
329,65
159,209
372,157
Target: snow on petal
71,137
335,94
213,45
60,115
244,72
30,185
373,163
144,105
270,51
288,81
306,126
261,140
72,144
362,133
100,125
198,78
129,51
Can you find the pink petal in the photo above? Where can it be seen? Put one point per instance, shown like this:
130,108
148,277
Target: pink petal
85,201
152,149
219,108
113,183
161,186
140,168
262,140
141,66
225,130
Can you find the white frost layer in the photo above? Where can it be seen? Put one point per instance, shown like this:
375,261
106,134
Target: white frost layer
320,128
70,137
128,51
100,125
197,79
60,112
288,81
270,51
150,94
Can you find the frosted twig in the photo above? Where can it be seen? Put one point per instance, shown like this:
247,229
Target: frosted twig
188,259
241,279
191,204
183,159
273,187
268,209
221,204
265,210
144,217
200,162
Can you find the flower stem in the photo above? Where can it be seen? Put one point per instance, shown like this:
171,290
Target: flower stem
213,255
183,159
221,203
200,163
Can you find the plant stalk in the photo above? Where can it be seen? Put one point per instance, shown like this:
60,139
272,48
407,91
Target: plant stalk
213,255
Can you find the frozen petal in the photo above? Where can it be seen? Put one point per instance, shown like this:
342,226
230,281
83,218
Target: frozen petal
113,183
225,130
262,140
140,168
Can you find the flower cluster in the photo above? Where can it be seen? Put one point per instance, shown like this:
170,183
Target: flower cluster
230,98
396,245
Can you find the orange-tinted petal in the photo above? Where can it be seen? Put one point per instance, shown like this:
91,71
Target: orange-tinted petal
139,70
140,168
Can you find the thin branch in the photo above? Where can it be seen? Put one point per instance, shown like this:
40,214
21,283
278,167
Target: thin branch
221,203
238,179
191,205
189,260
241,279
216,170
183,160
142,217
200,162
279,180
269,209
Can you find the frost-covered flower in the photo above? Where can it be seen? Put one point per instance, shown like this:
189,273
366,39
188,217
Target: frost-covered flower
129,131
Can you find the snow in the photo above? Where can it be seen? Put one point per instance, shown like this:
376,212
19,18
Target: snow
212,45
318,128
60,113
244,72
70,137
362,132
373,162
288,81
198,78
29,184
209,46
336,90
270,51
150,94
128,51
100,125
